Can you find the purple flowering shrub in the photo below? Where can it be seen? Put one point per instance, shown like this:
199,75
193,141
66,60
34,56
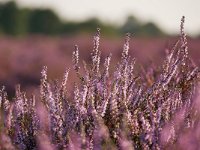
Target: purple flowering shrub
128,108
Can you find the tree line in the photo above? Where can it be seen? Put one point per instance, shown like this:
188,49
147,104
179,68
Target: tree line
17,21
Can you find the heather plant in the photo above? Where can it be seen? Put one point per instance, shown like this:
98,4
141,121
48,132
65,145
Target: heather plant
129,108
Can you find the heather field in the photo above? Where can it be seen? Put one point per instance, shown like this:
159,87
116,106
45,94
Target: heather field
90,92
21,59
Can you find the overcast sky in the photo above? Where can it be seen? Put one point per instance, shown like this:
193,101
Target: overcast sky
166,13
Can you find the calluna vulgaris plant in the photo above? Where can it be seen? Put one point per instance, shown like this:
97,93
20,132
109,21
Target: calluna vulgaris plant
125,109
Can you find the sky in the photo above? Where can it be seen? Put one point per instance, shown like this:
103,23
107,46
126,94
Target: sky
165,13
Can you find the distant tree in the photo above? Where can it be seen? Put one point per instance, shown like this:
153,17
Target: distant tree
132,25
110,30
69,28
88,26
44,21
151,29
9,18
90,23
23,18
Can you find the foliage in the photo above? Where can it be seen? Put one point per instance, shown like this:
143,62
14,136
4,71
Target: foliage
9,11
124,109
43,21
20,21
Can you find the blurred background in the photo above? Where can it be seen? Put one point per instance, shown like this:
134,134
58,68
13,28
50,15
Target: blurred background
34,33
